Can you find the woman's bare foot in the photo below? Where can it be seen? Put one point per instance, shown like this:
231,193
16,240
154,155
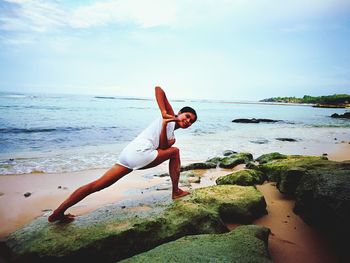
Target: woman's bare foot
62,218
179,193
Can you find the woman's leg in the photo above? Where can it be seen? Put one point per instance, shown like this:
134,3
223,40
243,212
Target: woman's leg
173,155
110,177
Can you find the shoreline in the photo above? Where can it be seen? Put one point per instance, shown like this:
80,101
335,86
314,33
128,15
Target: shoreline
291,239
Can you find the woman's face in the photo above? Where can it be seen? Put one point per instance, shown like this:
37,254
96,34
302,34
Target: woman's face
186,119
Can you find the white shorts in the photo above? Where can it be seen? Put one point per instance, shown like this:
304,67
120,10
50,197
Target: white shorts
137,154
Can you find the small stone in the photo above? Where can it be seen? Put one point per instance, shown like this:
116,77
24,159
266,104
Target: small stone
27,194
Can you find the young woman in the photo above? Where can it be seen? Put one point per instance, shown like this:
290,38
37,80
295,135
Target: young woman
149,149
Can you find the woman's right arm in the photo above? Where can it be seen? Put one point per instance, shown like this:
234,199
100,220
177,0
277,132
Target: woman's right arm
163,103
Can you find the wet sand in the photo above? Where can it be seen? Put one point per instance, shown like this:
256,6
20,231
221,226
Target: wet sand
291,240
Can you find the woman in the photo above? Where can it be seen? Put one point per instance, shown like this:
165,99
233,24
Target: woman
152,147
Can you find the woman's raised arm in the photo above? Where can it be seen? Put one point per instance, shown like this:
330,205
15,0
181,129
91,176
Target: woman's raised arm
163,103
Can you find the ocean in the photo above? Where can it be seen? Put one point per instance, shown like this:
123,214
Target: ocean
66,133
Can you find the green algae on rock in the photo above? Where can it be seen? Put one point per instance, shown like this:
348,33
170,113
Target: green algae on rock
112,233
235,159
244,244
242,177
234,203
200,165
265,158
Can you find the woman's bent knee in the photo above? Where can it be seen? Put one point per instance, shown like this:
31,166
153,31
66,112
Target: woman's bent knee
175,152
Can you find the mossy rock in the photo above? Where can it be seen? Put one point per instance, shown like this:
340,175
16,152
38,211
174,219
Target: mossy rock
203,165
233,202
244,244
235,159
265,158
275,168
242,177
323,200
215,160
113,233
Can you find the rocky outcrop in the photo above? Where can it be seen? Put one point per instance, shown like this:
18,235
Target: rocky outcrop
322,193
242,177
346,115
117,232
253,120
244,244
228,161
234,160
200,165
269,157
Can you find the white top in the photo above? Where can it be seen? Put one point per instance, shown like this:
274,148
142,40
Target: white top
152,132
143,149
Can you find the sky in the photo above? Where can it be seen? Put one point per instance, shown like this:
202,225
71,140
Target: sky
194,49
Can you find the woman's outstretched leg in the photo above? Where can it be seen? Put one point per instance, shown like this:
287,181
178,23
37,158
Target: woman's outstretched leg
173,155
110,177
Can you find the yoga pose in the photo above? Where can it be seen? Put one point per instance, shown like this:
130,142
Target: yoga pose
149,149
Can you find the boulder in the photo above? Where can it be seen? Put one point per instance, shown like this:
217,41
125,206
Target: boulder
203,165
117,232
242,177
253,120
269,157
244,244
346,115
228,152
323,200
235,159
286,139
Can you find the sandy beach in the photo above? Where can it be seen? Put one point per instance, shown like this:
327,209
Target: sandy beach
291,239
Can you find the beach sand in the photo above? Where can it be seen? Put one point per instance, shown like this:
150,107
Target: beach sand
291,239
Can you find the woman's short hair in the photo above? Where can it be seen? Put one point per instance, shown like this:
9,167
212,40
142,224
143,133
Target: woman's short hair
190,110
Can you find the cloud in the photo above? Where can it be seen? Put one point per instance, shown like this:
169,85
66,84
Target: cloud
42,16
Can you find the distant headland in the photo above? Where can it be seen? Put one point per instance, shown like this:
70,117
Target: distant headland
330,101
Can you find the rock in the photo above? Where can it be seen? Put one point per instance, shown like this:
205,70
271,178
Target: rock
276,170
235,203
286,139
193,166
27,194
289,180
189,177
346,115
244,244
215,160
323,200
109,235
254,120
246,120
269,157
235,159
242,177
228,152
251,165
262,141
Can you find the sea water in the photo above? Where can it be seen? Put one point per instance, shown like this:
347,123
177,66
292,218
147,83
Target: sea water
65,133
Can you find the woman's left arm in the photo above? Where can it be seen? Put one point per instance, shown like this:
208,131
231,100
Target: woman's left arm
163,103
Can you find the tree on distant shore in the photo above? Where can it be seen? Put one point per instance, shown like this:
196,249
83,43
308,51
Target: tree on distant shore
330,99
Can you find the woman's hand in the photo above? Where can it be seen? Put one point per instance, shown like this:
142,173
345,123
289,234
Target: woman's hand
169,118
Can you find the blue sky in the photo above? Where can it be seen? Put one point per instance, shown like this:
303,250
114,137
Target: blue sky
218,49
